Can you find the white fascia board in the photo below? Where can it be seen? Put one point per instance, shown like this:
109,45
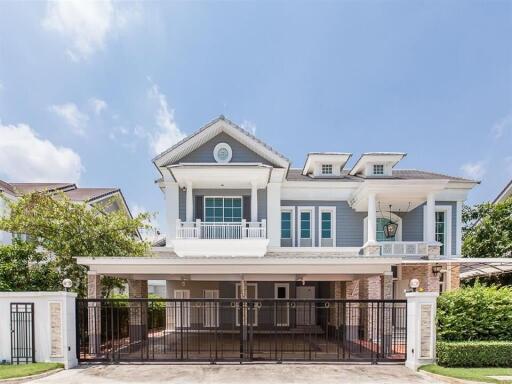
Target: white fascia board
318,191
384,157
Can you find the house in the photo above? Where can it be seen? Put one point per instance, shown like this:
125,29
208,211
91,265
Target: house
111,199
504,194
242,221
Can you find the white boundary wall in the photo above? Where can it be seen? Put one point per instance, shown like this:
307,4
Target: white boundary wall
421,328
55,343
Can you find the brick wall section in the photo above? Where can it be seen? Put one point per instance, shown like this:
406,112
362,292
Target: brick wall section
138,289
422,272
370,288
455,276
387,286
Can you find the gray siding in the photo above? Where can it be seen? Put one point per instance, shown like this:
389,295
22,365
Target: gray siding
241,153
349,223
262,199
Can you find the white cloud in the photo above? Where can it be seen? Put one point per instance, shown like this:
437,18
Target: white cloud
24,157
97,105
87,24
474,170
500,128
72,116
167,133
147,234
249,126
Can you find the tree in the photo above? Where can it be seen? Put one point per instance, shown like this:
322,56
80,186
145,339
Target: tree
23,268
487,230
68,229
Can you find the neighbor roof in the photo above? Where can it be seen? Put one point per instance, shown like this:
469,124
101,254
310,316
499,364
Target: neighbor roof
23,188
88,194
506,192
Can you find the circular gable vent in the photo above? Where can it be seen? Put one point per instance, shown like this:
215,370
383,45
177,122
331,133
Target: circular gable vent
222,153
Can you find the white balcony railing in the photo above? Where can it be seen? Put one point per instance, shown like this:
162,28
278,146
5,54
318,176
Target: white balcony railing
403,248
221,230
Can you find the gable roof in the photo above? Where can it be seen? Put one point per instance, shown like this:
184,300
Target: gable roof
90,194
24,188
506,192
210,130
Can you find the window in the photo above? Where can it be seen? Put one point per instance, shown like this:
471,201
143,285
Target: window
286,225
441,230
305,225
381,222
223,209
378,169
326,225
326,169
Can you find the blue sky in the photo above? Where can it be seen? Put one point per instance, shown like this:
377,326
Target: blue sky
90,91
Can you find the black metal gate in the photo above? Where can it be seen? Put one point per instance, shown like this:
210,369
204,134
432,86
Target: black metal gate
223,330
22,333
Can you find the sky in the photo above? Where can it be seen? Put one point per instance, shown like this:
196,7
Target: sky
91,91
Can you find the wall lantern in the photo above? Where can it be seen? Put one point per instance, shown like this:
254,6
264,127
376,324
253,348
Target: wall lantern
391,227
436,268
414,284
67,283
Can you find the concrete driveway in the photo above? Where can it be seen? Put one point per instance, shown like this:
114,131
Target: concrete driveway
235,374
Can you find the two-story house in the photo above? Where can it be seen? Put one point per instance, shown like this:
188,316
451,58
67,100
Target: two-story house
241,220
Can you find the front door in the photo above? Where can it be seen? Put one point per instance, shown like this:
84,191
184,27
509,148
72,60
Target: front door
211,309
182,308
306,313
282,309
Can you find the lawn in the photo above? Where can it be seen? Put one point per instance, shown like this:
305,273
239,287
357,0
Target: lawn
8,371
473,374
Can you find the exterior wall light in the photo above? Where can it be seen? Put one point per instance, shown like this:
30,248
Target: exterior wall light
67,283
391,227
436,268
414,284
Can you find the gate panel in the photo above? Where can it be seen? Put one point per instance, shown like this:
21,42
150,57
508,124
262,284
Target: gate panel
22,333
241,330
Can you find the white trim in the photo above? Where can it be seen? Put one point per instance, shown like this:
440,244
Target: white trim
458,229
397,219
286,286
185,308
220,146
290,209
237,289
312,224
332,210
447,209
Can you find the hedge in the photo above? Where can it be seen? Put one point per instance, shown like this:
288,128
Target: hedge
475,313
474,353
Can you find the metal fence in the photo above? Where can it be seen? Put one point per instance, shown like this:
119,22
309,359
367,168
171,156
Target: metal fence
22,333
217,330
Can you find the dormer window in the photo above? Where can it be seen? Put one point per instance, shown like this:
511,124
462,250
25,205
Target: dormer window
378,169
326,169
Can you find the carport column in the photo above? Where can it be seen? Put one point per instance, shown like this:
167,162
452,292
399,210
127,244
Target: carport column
370,290
387,294
352,310
138,326
94,309
421,328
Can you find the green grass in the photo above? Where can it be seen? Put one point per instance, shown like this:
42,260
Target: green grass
8,371
473,374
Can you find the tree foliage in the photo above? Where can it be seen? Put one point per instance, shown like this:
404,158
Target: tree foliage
23,268
69,229
487,230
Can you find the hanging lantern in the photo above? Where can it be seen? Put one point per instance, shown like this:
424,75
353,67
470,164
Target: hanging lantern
391,227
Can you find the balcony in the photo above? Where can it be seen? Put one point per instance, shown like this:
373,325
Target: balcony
221,231
403,248
200,238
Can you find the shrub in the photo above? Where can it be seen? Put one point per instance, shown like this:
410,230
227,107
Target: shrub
474,353
475,313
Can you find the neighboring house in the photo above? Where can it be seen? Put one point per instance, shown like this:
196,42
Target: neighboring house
112,199
243,223
504,194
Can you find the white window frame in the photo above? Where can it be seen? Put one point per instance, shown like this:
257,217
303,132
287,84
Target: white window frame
447,209
185,307
332,211
286,286
327,166
224,197
378,165
237,289
292,219
209,307
312,223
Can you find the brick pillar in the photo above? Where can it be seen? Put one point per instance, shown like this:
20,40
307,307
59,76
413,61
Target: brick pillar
94,313
138,326
453,275
352,313
387,294
422,272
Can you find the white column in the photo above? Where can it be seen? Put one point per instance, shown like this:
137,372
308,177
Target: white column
421,328
458,232
372,218
274,214
189,203
172,208
254,203
431,218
